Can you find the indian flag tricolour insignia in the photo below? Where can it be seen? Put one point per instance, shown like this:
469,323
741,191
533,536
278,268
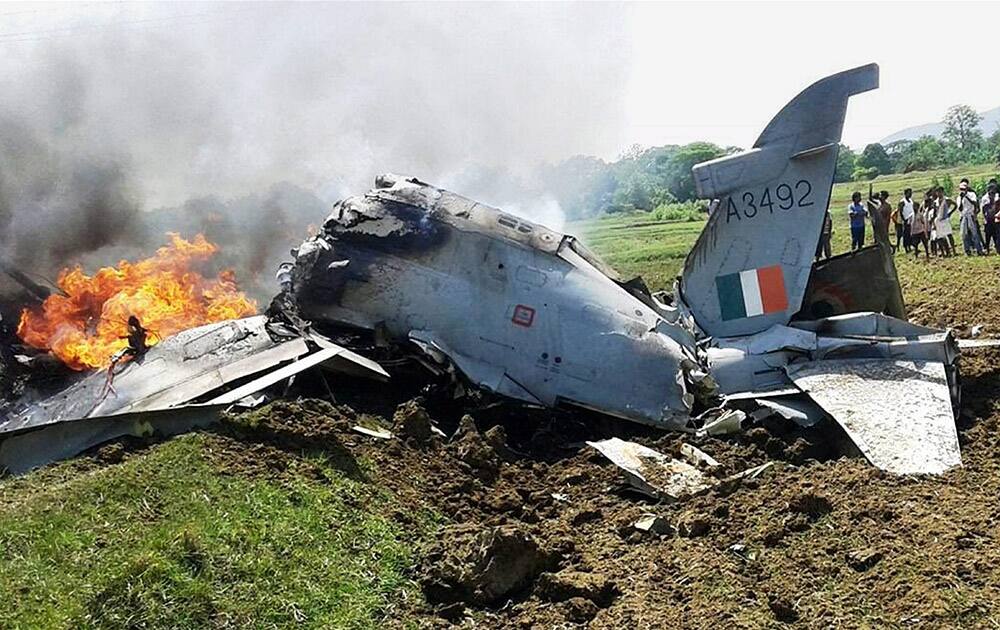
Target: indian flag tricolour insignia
752,292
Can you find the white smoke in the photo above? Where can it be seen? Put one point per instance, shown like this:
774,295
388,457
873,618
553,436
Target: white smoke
112,111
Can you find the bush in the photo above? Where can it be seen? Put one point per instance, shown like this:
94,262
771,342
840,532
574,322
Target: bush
944,182
687,211
865,173
979,184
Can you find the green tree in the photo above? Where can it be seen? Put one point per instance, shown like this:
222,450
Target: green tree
961,126
845,164
583,185
874,159
677,170
897,152
924,153
864,173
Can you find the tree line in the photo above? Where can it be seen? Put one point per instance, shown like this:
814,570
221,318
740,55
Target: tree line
658,180
962,142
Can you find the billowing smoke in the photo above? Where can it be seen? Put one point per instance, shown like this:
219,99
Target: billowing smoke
119,122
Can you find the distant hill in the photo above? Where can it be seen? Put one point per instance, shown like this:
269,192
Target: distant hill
991,119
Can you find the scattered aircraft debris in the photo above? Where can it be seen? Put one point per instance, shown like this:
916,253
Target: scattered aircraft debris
652,472
380,434
176,385
653,524
498,304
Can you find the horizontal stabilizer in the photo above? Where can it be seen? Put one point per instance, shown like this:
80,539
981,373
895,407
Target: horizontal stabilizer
898,413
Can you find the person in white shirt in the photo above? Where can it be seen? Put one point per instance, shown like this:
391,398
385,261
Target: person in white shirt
941,229
905,209
968,206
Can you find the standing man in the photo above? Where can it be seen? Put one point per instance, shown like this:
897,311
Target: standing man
968,208
884,218
991,206
905,212
944,208
919,229
857,213
823,247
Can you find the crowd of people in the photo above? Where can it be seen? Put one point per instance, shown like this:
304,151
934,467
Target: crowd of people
925,224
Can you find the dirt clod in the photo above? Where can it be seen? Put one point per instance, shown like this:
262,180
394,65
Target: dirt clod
412,421
476,452
565,585
579,609
863,559
482,567
812,506
112,453
782,609
693,525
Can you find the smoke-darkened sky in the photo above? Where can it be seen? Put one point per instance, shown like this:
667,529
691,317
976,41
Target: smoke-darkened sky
110,111
222,98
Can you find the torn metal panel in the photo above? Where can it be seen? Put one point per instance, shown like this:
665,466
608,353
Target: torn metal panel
26,451
170,376
728,422
863,280
786,391
800,409
214,379
176,362
864,324
275,376
652,472
348,361
898,413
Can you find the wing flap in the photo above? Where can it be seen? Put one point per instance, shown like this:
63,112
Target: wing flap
898,413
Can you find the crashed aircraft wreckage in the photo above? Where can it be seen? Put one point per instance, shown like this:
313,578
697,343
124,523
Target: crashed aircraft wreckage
513,308
173,387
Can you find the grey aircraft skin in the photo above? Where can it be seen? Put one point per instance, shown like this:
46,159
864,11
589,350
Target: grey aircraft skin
530,314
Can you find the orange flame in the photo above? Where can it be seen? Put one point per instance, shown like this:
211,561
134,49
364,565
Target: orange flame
88,325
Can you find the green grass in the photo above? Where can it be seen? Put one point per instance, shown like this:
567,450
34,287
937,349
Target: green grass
636,245
168,540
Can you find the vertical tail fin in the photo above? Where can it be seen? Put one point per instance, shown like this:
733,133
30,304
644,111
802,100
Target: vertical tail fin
751,263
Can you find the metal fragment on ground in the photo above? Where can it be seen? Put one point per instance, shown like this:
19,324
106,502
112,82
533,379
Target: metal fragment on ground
652,472
898,413
729,422
698,457
971,344
653,524
381,434
800,409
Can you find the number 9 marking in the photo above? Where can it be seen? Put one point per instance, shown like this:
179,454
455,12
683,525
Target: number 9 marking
784,196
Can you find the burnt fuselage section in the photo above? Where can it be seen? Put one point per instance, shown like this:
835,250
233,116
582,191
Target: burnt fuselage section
516,308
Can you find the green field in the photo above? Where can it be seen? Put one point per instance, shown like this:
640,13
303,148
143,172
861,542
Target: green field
176,537
634,245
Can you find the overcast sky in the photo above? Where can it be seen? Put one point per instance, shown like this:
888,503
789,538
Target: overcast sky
721,70
198,99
